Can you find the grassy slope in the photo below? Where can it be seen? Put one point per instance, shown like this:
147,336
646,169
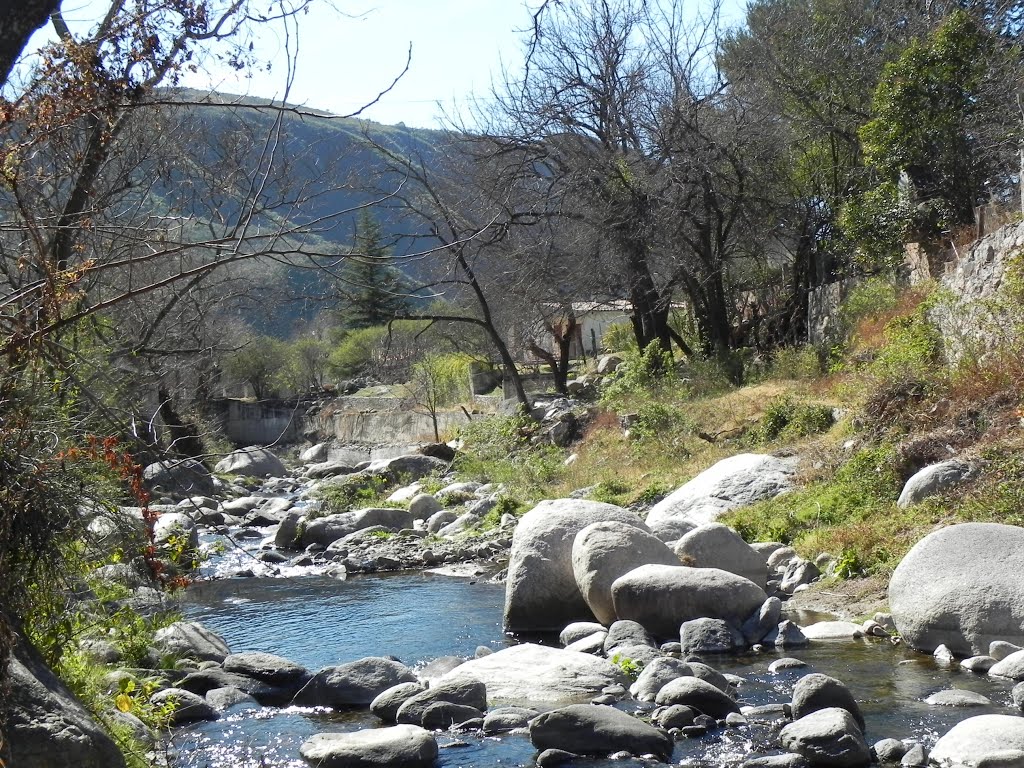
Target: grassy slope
900,409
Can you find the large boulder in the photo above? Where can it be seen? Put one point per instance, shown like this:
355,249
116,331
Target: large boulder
662,597
407,468
731,483
960,587
253,461
656,675
817,691
357,683
985,740
177,529
184,706
267,667
696,693
45,725
540,590
531,673
597,730
192,640
828,737
934,479
602,552
464,691
400,746
183,476
326,530
718,546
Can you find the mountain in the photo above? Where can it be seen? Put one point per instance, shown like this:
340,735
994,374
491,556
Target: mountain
321,158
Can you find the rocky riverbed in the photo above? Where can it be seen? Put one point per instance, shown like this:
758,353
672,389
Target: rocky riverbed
640,643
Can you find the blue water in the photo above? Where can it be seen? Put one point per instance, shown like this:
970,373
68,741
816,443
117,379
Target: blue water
416,617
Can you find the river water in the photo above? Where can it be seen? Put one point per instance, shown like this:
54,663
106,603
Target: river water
417,617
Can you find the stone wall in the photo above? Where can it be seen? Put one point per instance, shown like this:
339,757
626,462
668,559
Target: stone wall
260,423
823,311
968,312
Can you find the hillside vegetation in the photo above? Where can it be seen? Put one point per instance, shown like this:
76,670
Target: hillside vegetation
862,416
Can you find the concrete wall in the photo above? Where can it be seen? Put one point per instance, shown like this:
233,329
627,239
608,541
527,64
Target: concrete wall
260,423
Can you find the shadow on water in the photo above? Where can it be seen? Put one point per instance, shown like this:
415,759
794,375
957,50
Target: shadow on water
416,617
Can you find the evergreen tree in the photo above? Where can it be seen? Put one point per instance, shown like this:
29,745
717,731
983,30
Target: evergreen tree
372,290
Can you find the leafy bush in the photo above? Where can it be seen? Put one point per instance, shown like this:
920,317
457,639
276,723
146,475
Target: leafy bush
783,417
619,337
873,298
342,496
650,370
801,363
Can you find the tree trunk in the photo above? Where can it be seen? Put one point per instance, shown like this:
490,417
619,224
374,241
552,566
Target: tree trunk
20,19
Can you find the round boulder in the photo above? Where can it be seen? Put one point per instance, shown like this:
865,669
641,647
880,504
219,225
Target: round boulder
604,551
719,546
357,683
731,483
540,590
985,740
253,461
533,673
662,597
828,737
817,691
960,586
400,746
592,729
696,693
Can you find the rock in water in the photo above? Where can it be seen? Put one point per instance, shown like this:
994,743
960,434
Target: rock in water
533,673
961,586
816,691
400,746
719,546
354,684
540,591
696,693
597,730
253,461
604,551
661,597
828,737
190,639
985,740
731,483
45,726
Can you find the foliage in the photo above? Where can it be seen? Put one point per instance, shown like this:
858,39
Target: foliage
343,495
259,364
439,381
652,369
372,291
619,337
924,107
630,667
861,490
786,418
871,299
382,352
501,450
801,362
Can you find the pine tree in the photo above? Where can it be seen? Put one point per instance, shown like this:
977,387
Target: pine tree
372,290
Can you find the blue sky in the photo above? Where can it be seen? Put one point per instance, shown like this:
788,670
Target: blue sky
350,50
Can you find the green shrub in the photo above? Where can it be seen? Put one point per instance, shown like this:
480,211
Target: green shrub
785,418
357,491
648,371
801,363
619,337
609,492
873,298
